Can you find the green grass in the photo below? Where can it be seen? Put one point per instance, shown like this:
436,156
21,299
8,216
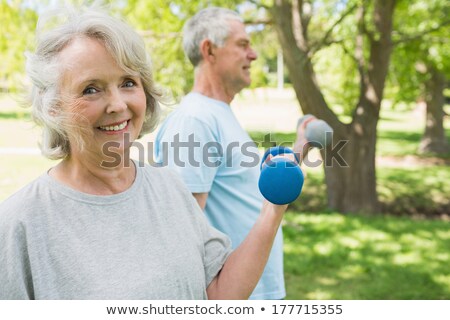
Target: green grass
14,115
331,256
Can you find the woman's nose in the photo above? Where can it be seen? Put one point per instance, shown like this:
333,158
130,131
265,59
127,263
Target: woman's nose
116,103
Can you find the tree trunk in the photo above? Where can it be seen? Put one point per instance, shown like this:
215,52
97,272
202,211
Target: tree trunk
351,183
352,186
434,139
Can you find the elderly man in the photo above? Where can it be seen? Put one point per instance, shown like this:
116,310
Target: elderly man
204,142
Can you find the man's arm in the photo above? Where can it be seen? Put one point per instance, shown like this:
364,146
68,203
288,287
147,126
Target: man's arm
301,145
201,199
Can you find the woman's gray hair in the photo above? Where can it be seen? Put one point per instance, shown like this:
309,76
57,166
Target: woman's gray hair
55,30
211,23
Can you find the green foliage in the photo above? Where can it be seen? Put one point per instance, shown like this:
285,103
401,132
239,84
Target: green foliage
422,29
17,24
334,63
161,26
338,78
264,41
264,69
331,256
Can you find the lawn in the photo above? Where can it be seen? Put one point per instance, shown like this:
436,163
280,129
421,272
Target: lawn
332,256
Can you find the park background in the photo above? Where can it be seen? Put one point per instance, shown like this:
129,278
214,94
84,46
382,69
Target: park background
376,70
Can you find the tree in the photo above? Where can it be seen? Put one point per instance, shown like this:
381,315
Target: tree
351,185
420,65
434,139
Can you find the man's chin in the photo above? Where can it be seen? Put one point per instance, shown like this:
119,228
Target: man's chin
247,83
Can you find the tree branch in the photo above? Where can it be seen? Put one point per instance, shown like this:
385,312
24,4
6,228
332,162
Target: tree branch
259,4
305,11
250,22
325,40
359,51
407,38
348,52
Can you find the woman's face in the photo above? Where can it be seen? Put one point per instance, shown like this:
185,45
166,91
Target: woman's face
103,98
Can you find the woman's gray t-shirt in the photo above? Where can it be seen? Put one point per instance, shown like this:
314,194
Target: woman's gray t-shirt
151,241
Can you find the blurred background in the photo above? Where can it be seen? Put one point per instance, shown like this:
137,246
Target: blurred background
376,71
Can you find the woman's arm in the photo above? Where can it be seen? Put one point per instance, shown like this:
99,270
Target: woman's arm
244,267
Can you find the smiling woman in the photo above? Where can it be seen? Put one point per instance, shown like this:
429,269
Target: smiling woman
106,100
71,53
130,231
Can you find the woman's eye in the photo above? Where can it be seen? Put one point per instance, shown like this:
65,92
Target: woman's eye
129,83
90,90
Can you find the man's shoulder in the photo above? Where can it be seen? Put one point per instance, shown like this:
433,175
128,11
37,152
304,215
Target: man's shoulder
194,114
197,106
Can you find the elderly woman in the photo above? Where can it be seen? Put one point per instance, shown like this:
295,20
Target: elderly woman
89,230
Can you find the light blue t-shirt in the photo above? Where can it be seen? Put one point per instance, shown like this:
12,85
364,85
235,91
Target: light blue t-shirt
205,143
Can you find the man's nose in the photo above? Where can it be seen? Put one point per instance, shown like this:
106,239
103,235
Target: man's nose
252,55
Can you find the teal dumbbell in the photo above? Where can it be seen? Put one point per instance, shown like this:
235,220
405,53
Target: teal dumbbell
281,179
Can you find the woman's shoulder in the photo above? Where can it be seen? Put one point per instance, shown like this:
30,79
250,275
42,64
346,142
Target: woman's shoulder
21,204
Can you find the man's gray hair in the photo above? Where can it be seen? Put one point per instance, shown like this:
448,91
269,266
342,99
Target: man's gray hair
55,30
210,23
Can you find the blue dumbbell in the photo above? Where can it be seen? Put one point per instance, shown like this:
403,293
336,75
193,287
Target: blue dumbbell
281,179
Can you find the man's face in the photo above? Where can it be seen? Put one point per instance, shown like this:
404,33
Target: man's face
233,59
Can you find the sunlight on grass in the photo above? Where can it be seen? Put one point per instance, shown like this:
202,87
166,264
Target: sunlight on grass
411,258
349,242
387,247
350,257
444,280
417,242
350,271
318,295
323,249
443,235
369,235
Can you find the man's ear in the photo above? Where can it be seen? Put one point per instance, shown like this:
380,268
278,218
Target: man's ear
207,50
